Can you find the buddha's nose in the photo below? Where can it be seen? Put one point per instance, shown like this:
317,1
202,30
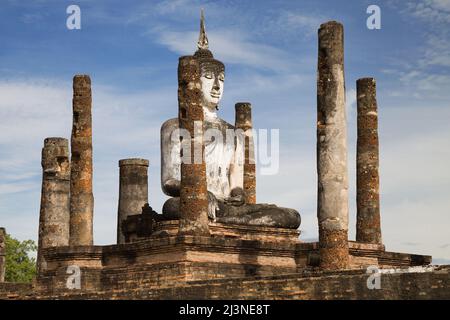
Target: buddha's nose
216,85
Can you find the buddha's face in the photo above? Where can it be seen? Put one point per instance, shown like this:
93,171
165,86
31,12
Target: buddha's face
212,87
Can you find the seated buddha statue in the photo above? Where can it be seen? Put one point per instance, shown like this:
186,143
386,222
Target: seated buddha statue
223,157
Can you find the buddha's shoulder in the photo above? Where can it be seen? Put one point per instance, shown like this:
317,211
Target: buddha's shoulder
174,123
170,124
225,124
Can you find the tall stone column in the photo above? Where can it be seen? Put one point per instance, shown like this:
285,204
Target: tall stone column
133,191
332,202
193,190
54,217
368,228
81,197
2,254
244,122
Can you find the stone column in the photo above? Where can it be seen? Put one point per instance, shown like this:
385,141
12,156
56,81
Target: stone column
244,122
193,190
332,202
54,217
2,254
81,197
133,191
368,227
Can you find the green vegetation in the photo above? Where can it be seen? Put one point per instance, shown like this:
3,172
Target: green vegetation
20,265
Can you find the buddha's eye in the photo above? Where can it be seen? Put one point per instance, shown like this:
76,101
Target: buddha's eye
208,75
222,77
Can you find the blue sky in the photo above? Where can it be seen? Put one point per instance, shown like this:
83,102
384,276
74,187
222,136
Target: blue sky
131,51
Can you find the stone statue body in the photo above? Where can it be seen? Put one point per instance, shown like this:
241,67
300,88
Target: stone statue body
224,157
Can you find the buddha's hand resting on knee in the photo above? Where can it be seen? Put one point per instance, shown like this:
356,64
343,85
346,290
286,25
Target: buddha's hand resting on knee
236,198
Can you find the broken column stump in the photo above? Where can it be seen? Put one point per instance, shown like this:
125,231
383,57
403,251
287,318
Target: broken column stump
133,191
54,217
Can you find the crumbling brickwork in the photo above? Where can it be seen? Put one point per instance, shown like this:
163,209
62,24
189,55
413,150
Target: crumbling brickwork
81,196
193,192
368,224
303,286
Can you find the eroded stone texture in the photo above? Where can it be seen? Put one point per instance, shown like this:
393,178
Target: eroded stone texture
54,215
193,191
244,122
332,204
368,228
2,254
81,199
133,191
333,248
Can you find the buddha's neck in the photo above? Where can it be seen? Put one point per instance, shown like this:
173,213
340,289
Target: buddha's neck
209,114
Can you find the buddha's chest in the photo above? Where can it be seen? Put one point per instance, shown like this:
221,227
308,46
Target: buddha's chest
219,154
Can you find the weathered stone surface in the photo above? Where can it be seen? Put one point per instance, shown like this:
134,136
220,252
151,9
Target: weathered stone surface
368,225
244,232
54,217
81,196
307,285
244,122
332,203
2,254
133,191
144,269
193,191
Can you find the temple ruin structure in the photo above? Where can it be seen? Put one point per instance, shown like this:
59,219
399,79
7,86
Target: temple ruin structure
211,231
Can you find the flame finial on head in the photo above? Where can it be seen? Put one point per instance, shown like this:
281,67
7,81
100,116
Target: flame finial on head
202,38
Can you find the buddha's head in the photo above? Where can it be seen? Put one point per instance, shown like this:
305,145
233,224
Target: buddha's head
212,71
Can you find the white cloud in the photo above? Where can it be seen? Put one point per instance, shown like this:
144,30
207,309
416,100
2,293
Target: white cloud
230,47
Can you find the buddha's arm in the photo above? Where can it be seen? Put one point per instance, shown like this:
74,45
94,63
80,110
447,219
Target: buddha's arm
237,168
170,158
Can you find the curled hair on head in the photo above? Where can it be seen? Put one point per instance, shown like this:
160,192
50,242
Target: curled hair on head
211,65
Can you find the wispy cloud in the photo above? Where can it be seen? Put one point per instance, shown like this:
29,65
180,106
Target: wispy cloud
435,11
233,47
307,23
